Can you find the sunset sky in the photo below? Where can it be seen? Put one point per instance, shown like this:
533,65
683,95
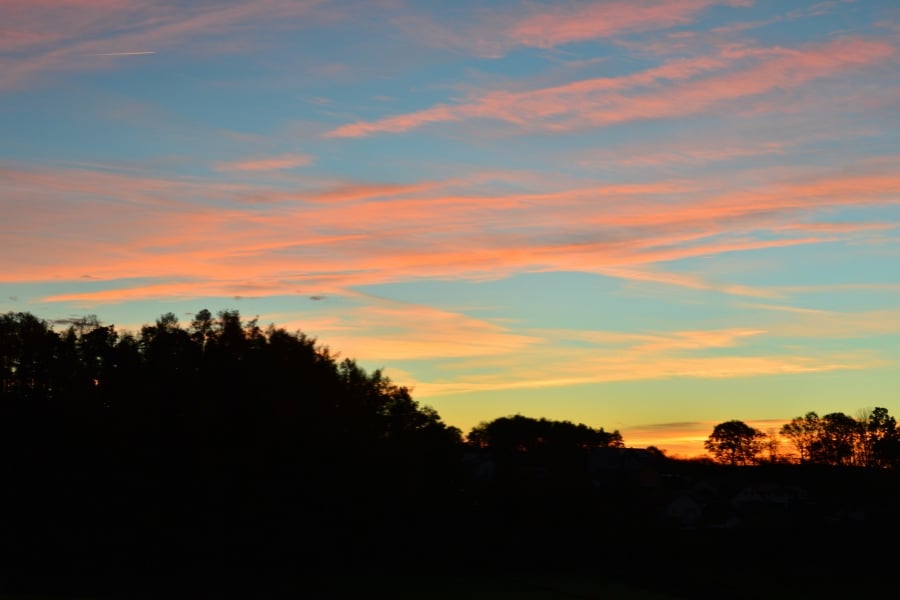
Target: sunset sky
644,215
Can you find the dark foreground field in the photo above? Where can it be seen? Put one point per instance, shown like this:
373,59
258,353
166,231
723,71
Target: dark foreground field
541,562
778,531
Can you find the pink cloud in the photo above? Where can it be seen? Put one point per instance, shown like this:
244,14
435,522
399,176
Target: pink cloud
496,32
274,163
75,35
338,239
644,274
677,88
693,152
351,192
563,25
773,136
519,107
837,227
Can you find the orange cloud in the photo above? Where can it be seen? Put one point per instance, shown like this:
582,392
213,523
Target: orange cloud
784,308
840,324
695,340
634,368
193,228
675,340
614,357
685,439
394,331
678,440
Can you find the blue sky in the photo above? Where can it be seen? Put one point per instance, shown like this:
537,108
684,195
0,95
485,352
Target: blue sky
646,215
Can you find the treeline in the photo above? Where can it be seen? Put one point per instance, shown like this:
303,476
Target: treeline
524,434
870,440
219,444
524,452
217,391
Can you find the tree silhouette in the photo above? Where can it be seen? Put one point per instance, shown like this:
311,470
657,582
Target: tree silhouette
544,453
803,433
837,440
882,439
519,433
220,433
735,443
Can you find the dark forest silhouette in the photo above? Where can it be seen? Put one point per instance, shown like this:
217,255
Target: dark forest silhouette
872,441
240,457
215,444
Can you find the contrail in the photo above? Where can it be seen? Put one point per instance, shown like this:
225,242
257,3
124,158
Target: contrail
121,53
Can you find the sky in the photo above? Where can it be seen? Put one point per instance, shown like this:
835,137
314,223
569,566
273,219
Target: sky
643,215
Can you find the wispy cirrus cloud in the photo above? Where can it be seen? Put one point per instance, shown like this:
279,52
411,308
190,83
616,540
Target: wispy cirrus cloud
395,331
272,163
679,88
41,37
566,24
741,142
840,324
133,53
635,366
493,33
814,10
510,357
655,341
330,241
836,227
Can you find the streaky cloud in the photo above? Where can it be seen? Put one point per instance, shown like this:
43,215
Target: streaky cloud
274,163
138,53
679,88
